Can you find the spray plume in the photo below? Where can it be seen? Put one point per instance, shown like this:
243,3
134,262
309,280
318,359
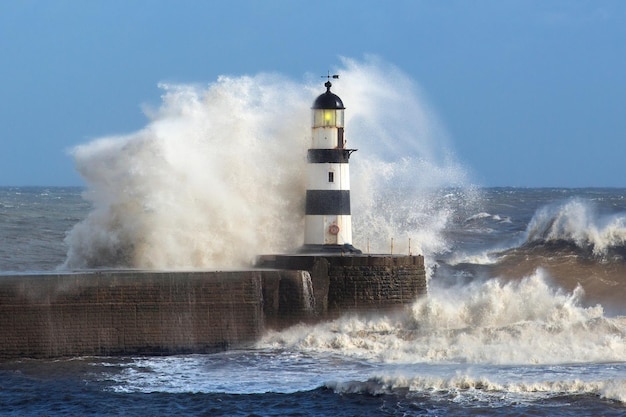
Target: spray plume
217,175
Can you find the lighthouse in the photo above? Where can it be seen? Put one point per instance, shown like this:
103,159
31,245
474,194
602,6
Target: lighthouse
328,223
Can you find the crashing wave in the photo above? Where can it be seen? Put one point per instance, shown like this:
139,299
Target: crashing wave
518,322
217,175
472,389
576,224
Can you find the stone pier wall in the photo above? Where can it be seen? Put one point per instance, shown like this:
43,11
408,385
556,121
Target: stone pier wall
113,313
161,313
367,283
348,283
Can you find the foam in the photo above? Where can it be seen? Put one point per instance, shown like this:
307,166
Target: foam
578,221
482,388
493,322
487,257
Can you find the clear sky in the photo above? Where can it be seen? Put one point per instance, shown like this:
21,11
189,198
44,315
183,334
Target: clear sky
531,93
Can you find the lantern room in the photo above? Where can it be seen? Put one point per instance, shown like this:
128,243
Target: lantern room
328,120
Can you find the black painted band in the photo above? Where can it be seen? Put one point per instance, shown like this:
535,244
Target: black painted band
333,156
323,202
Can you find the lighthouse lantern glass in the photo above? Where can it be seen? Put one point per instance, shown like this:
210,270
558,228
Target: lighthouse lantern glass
328,118
339,121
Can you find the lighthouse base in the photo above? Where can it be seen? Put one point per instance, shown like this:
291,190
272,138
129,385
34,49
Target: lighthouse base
326,249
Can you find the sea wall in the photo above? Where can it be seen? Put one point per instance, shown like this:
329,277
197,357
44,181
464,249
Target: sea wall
161,313
343,284
128,312
366,283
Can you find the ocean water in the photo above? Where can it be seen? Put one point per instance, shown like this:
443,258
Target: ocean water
525,313
525,316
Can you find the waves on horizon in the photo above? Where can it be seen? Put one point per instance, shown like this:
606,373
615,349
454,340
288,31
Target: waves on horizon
577,225
572,227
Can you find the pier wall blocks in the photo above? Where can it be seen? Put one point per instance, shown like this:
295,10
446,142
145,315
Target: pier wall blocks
161,313
353,283
375,282
112,313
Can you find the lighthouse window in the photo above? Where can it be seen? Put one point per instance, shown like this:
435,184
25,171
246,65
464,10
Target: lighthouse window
331,177
324,117
329,117
339,121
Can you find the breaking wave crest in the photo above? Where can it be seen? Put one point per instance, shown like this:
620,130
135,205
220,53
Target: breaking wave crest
578,223
217,175
518,322
482,388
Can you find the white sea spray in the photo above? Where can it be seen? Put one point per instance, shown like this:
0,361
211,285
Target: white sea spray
492,322
217,175
578,221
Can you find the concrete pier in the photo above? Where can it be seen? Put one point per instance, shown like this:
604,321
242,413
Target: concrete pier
162,313
352,283
127,312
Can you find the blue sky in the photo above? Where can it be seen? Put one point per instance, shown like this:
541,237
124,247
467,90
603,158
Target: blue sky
531,93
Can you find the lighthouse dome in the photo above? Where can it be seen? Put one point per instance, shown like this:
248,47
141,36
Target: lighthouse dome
328,100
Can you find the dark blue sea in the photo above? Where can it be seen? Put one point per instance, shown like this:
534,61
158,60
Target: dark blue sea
525,316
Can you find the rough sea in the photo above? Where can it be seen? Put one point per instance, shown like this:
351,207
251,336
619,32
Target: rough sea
526,315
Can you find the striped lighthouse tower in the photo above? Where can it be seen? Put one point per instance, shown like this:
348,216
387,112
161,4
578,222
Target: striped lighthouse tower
328,225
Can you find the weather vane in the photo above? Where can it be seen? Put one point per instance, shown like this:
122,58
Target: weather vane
334,76
328,84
